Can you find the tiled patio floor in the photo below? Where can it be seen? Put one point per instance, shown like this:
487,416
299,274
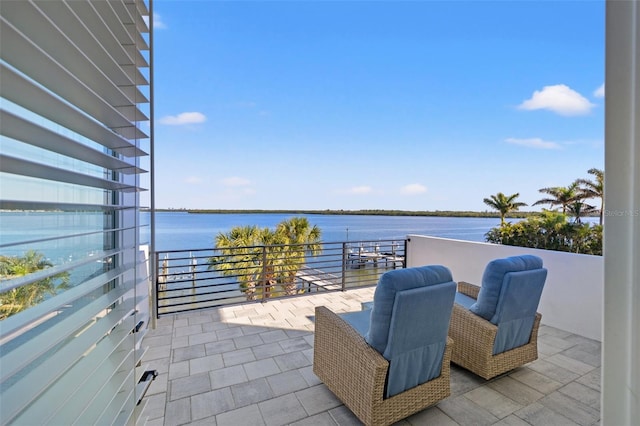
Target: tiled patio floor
251,365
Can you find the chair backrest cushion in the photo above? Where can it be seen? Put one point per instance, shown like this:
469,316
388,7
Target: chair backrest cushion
493,278
410,322
516,310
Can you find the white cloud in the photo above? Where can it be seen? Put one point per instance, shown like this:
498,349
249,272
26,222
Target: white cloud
560,99
534,143
360,190
599,92
183,118
193,180
158,24
413,189
235,181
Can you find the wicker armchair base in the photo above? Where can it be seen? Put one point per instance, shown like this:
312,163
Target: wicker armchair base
356,374
474,337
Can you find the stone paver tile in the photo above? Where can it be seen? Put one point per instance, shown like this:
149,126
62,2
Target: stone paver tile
207,421
160,330
239,356
211,403
309,376
198,319
248,330
245,313
227,376
591,379
158,385
267,350
571,408
515,390
273,336
178,369
537,414
188,352
245,416
535,380
545,350
208,337
248,341
160,365
512,420
295,344
292,361
180,342
466,412
431,416
582,393
214,326
220,347
317,399
462,381
570,364
494,402
206,363
177,412
281,410
261,368
583,354
188,386
187,331
287,382
557,342
546,330
155,406
229,333
297,333
251,392
344,417
322,419
181,320
155,422
553,371
157,352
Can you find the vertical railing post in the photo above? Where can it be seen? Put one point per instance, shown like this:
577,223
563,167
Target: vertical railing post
404,259
264,272
344,265
156,286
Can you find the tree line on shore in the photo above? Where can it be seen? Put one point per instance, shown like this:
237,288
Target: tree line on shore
562,229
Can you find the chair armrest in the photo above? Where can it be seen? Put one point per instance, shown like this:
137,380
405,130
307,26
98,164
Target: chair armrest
345,362
471,334
468,289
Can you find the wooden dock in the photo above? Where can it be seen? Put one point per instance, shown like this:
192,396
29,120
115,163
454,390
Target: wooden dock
360,259
315,278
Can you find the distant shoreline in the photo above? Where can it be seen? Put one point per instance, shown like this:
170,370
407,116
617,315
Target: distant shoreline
436,213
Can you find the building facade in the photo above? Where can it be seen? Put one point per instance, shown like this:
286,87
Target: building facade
74,280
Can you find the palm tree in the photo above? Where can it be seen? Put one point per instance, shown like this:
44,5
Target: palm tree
26,296
302,239
504,204
560,196
579,208
594,189
245,254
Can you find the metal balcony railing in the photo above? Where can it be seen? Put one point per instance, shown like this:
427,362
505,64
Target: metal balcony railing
197,279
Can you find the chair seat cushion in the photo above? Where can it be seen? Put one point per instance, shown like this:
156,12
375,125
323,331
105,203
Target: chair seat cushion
492,281
359,320
464,300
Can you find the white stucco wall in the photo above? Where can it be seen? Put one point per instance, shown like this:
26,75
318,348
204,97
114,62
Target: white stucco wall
572,299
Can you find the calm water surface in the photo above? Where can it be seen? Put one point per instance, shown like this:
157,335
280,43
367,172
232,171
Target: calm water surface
184,231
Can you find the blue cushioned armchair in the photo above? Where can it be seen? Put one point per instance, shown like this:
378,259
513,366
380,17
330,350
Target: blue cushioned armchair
390,361
495,326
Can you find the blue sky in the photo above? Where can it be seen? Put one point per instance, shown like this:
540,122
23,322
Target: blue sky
421,105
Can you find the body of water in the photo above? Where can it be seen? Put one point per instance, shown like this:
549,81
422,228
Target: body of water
185,231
